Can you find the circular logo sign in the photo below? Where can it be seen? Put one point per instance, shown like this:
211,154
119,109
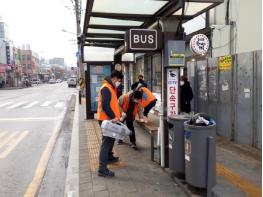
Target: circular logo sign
199,44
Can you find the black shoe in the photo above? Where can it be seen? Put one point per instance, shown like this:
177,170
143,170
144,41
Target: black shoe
120,142
106,173
113,160
133,145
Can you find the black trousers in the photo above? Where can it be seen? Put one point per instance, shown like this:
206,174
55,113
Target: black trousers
148,108
130,126
105,151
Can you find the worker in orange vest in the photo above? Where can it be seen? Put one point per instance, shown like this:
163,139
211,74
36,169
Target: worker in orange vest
129,106
148,100
108,109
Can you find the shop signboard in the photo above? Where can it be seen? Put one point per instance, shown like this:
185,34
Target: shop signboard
199,44
172,91
2,68
225,62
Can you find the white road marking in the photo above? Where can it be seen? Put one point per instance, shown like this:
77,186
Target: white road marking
16,105
2,134
5,104
12,144
31,105
45,104
59,105
6,140
31,118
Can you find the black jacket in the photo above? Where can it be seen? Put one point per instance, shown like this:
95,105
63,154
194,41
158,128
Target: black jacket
106,98
144,84
186,97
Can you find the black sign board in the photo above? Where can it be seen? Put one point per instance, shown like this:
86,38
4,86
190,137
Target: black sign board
142,40
8,57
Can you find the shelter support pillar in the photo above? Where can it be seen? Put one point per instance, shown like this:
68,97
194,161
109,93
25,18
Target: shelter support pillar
169,29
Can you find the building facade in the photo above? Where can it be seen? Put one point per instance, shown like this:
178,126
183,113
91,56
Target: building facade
236,27
57,60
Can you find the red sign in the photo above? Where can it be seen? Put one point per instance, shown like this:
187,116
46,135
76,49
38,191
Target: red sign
2,68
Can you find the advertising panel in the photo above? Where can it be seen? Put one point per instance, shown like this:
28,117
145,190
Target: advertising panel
97,75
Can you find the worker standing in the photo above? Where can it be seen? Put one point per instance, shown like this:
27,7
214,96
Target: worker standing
108,109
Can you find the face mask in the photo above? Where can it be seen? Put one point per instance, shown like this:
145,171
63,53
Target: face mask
181,83
117,84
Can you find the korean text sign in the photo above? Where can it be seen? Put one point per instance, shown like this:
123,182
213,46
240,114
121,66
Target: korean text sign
172,91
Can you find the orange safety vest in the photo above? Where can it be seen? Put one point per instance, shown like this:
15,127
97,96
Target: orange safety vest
125,105
114,105
147,97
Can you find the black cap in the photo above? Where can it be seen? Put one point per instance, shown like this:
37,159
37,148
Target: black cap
117,74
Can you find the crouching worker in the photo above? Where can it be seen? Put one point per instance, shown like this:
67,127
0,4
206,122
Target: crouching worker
129,106
108,109
148,101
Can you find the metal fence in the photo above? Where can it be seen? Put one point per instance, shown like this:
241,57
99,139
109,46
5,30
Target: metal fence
232,95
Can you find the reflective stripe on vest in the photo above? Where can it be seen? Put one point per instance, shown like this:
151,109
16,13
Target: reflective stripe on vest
147,97
113,103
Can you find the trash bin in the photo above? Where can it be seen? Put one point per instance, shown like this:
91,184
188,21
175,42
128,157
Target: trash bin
176,143
200,155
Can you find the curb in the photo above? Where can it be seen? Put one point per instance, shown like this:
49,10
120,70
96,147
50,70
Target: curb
14,88
72,177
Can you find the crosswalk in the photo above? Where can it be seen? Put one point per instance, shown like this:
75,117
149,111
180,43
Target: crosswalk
28,105
8,141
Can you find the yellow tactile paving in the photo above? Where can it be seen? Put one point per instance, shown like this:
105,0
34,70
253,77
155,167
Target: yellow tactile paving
248,187
93,141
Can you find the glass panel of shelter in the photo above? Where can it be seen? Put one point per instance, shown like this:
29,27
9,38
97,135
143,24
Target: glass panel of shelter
106,31
128,7
107,21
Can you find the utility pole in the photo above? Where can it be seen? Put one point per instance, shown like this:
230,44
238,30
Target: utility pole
79,58
78,18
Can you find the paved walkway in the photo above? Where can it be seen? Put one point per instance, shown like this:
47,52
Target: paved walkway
239,168
136,174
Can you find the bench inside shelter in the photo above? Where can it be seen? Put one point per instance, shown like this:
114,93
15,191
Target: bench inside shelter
152,128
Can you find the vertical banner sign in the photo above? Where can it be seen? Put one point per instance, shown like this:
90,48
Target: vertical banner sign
172,91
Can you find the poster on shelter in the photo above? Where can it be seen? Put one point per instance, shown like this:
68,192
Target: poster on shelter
97,75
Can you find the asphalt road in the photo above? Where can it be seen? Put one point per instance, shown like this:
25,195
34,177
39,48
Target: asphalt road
29,123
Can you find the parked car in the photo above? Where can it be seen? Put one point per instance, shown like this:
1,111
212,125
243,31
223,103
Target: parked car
72,81
35,81
59,81
52,81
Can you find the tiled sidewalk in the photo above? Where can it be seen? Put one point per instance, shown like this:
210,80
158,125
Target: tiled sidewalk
136,174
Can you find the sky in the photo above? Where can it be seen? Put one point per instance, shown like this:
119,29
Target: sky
40,24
